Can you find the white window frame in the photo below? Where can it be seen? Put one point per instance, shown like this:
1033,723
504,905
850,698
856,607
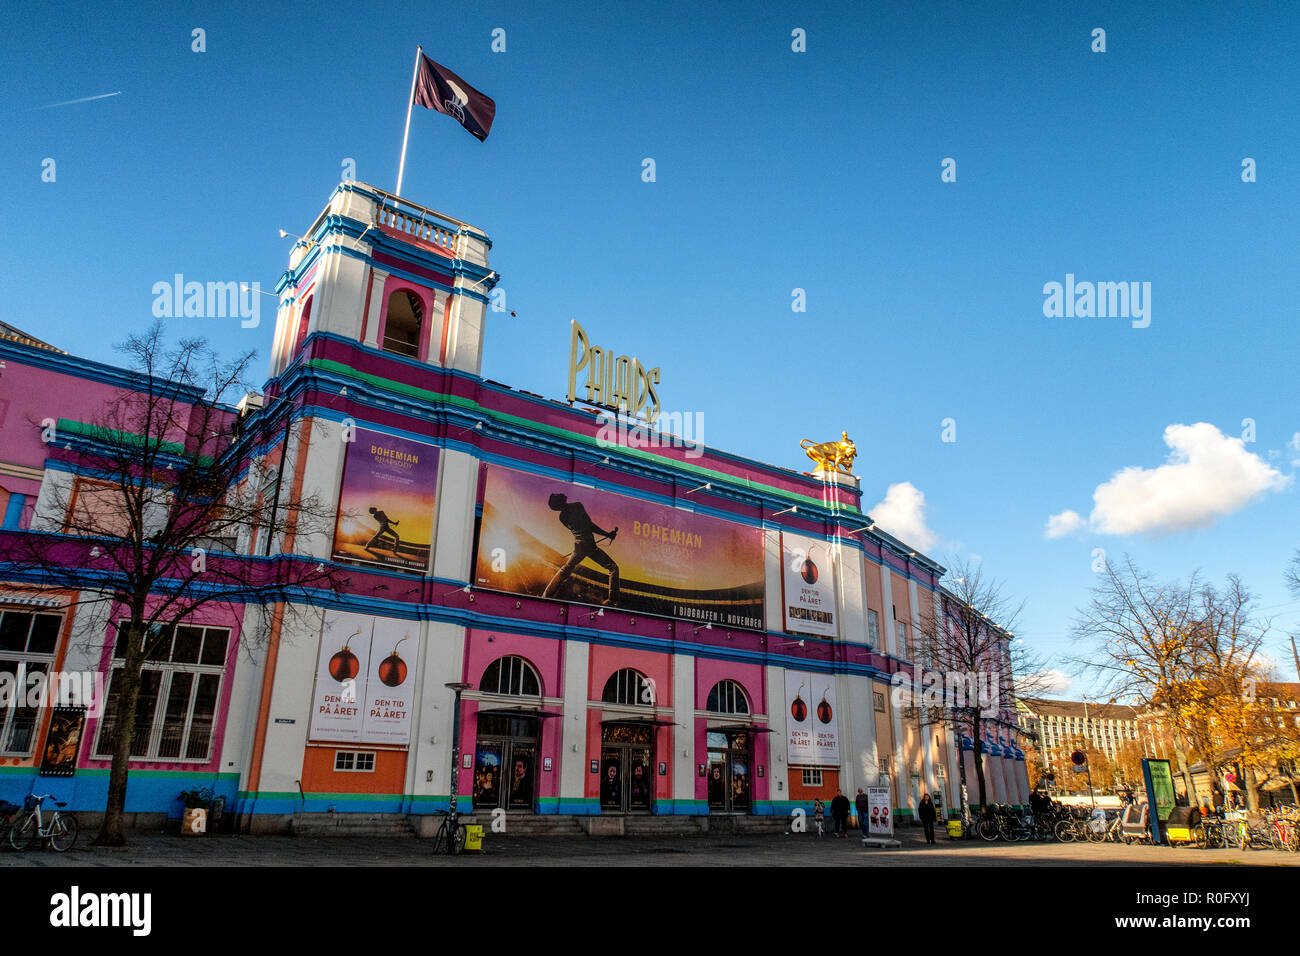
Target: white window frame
169,669
353,759
873,628
23,658
812,777
900,639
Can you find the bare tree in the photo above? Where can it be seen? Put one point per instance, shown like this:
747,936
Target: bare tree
164,526
970,636
1182,649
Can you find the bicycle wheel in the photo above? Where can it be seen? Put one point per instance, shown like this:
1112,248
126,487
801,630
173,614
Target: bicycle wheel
1065,831
988,829
63,833
439,837
1095,833
24,834
459,846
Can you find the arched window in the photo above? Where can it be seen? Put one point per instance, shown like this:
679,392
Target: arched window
511,675
304,322
727,697
627,686
402,324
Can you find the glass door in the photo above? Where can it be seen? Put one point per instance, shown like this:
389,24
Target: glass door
611,779
626,777
505,763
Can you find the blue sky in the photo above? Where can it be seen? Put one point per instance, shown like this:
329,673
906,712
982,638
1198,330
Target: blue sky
775,170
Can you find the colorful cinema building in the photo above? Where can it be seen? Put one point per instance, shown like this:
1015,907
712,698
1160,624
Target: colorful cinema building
610,635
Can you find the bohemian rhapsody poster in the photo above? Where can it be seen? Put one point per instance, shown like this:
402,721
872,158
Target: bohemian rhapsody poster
545,537
386,502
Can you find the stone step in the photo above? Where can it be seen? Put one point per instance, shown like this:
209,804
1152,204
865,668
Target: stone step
352,825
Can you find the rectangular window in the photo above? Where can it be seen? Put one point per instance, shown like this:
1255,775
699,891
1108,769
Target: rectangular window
879,699
812,778
354,761
873,628
27,643
180,684
900,632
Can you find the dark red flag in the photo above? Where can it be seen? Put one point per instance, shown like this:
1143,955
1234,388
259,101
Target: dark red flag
437,88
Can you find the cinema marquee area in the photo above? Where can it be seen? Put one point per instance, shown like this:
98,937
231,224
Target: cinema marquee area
639,633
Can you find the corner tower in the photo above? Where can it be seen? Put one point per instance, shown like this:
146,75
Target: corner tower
390,274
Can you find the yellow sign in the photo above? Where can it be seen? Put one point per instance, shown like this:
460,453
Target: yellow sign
621,383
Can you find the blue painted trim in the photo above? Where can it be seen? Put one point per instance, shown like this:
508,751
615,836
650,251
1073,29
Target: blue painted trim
14,512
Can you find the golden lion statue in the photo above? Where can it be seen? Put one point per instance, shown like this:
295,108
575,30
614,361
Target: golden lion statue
832,455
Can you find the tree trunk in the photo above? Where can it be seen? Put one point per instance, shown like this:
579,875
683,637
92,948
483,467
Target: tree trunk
979,761
1180,755
111,831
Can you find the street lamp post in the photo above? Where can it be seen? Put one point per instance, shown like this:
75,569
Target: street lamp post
456,686
1087,735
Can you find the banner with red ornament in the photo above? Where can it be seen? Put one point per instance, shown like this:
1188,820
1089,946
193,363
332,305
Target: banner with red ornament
811,737
809,585
364,680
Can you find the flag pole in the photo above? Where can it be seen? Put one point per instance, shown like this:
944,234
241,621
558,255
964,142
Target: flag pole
410,101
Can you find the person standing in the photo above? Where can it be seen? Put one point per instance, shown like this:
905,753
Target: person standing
926,814
840,814
819,816
863,806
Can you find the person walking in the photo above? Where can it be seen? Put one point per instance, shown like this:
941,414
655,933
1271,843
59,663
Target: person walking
840,814
926,814
863,806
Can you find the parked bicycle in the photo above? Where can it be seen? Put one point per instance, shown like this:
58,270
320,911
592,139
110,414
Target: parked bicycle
1284,830
60,830
7,813
450,837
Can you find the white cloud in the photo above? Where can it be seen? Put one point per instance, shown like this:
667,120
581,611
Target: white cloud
1206,475
902,514
1067,522
1294,445
1049,681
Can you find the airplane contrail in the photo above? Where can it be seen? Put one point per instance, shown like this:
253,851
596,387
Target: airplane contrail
84,99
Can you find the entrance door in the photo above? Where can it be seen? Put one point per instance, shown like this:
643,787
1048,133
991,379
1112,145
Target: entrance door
505,763
729,784
626,780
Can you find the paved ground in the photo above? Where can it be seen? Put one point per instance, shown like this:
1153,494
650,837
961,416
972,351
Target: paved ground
504,850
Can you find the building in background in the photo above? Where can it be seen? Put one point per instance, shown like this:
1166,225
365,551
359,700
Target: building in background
621,630
1109,731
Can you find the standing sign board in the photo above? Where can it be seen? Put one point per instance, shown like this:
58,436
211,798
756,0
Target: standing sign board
1159,780
881,820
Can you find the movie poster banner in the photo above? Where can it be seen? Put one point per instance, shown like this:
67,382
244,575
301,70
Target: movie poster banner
364,680
62,741
386,502
811,738
546,537
809,585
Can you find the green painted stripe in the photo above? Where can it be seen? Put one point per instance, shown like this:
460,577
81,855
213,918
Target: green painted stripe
84,772
115,436
564,434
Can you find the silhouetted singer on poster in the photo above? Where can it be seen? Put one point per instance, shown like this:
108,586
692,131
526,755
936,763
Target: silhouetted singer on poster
574,517
385,530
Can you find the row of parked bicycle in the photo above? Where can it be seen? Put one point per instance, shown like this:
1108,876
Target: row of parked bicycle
1272,829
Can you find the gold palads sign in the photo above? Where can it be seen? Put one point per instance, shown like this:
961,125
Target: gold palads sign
621,383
